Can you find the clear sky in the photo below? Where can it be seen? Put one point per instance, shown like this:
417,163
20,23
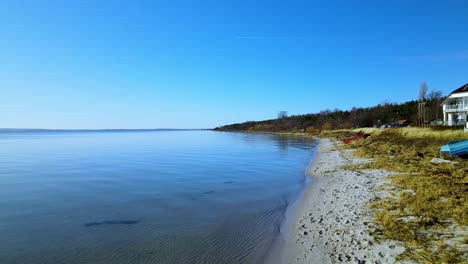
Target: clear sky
201,64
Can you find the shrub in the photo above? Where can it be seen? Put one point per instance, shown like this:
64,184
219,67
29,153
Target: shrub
345,125
311,129
327,126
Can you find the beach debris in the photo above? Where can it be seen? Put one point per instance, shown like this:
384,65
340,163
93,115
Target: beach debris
408,191
360,135
441,161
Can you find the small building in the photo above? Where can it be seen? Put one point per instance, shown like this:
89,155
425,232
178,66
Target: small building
455,107
404,123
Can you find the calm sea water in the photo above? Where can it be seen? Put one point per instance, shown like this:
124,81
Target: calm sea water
145,197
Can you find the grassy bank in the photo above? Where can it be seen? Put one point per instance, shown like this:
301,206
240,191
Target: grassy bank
426,206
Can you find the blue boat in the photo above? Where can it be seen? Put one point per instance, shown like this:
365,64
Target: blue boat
455,149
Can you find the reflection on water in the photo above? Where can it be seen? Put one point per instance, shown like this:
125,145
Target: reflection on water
145,197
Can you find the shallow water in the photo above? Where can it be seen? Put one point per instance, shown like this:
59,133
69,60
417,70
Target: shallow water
145,196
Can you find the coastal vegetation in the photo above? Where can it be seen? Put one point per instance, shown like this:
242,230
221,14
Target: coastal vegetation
426,206
382,114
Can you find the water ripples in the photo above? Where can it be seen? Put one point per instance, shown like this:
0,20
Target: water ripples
152,197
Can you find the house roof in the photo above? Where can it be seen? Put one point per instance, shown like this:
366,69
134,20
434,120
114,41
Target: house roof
404,121
462,89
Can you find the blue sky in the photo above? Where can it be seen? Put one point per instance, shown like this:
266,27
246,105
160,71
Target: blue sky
201,64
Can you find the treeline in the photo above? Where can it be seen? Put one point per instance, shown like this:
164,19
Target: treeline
386,113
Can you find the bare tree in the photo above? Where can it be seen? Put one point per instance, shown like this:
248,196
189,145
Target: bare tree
434,99
422,92
422,104
282,114
434,95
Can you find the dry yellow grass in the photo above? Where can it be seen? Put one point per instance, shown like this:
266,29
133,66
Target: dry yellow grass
430,211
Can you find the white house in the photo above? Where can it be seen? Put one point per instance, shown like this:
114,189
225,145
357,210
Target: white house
455,107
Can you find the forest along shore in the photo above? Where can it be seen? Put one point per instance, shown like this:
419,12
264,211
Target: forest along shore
333,221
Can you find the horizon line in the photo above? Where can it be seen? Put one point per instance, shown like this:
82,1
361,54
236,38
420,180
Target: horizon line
98,129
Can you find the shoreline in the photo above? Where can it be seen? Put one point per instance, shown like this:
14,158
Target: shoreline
331,221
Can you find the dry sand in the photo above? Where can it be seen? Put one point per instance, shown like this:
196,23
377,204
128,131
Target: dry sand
331,223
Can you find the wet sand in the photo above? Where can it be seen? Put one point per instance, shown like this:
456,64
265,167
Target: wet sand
331,223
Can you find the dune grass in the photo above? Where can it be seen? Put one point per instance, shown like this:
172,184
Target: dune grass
428,205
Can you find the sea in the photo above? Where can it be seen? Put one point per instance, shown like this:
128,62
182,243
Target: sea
146,196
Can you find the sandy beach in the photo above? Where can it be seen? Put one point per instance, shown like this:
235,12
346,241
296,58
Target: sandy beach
332,222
